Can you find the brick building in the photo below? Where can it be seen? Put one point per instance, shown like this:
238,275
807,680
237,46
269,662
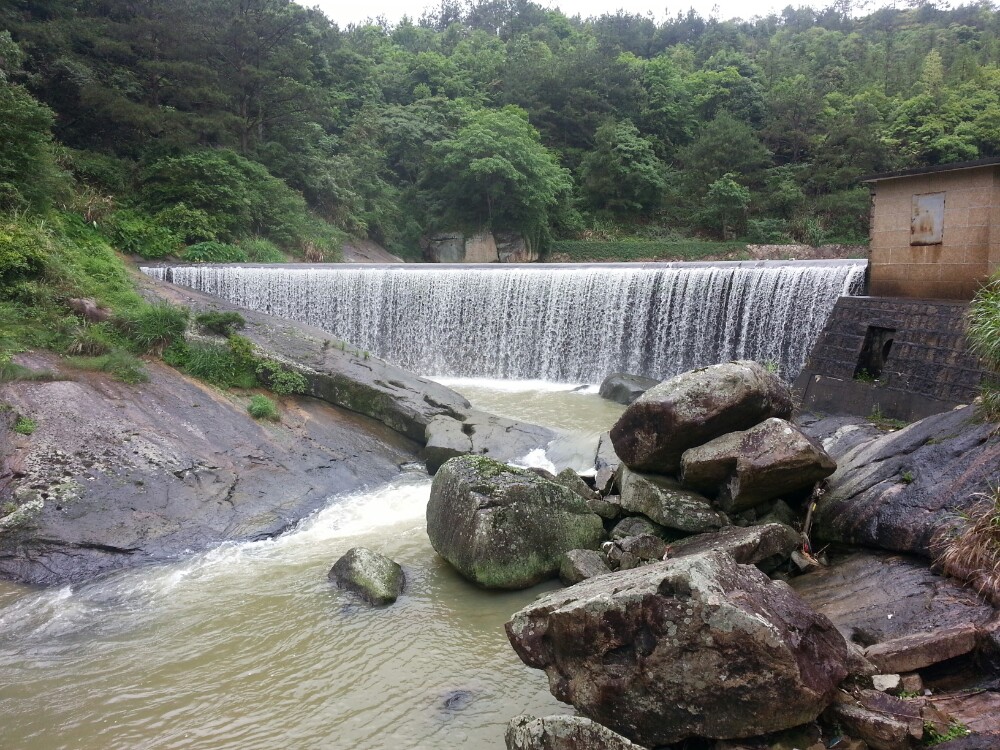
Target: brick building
935,231
901,352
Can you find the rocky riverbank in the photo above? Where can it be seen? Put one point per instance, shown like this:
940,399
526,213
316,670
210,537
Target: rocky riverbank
715,613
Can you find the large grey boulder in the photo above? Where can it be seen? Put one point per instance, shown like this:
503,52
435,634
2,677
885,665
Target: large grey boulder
899,490
747,468
562,733
693,408
664,501
503,527
697,646
580,564
369,574
623,388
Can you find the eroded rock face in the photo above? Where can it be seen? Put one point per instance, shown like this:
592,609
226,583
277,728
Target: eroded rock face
693,408
747,468
562,733
369,574
898,490
623,388
503,527
697,646
664,501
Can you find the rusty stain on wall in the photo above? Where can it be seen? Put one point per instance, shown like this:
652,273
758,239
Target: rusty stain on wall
927,225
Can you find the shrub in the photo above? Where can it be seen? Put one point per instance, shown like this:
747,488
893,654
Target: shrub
259,250
137,234
25,426
214,252
218,365
280,379
261,407
23,251
189,224
92,340
153,327
221,323
121,365
768,231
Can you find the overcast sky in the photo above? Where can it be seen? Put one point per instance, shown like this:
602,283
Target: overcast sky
345,12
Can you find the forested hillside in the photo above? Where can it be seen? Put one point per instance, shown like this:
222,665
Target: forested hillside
238,128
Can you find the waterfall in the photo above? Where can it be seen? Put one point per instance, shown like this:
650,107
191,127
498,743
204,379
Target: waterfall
558,323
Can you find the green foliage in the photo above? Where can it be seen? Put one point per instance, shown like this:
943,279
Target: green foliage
214,252
724,207
259,250
633,248
984,340
280,379
191,225
137,234
25,426
23,251
622,174
215,364
93,340
261,407
153,327
29,176
934,736
121,365
221,323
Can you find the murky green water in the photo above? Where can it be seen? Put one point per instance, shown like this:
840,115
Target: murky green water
249,646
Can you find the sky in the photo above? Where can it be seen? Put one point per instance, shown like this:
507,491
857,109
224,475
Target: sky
344,12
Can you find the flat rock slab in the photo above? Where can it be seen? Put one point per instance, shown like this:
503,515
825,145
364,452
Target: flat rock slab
563,733
877,596
909,653
131,474
747,545
979,711
896,491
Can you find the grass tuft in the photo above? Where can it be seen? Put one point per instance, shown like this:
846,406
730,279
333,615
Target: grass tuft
261,407
972,554
984,340
121,365
25,426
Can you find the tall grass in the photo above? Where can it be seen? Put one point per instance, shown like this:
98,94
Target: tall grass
984,340
973,553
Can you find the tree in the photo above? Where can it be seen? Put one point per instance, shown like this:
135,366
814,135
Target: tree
724,145
494,173
622,174
725,206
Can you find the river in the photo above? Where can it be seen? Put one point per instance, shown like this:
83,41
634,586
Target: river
250,646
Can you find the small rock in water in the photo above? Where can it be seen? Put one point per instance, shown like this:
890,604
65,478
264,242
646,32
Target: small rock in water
373,576
456,700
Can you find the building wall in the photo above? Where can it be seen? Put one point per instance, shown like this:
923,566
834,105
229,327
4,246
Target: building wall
969,250
928,368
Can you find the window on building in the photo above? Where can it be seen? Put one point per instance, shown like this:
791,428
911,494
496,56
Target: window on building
927,223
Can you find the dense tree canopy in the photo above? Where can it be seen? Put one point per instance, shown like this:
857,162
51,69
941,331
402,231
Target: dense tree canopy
232,119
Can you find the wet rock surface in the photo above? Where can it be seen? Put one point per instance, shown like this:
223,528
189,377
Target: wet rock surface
896,491
369,574
697,646
503,527
623,388
123,475
693,408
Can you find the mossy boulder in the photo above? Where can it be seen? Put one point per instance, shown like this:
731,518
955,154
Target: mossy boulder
505,528
369,574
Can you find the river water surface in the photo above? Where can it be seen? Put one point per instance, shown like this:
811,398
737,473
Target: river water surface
249,645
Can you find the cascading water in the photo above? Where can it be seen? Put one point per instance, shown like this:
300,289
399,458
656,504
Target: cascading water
557,323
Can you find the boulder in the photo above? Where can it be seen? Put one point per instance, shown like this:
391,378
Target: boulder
664,501
606,463
747,545
369,574
633,551
636,526
580,564
477,432
573,481
745,469
503,527
623,388
915,651
693,408
696,646
899,490
563,733
89,310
